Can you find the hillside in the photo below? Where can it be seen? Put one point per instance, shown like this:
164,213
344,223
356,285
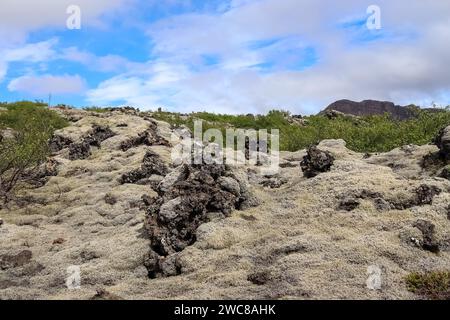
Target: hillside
111,199
373,107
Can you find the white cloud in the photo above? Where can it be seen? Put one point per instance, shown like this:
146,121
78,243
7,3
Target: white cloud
107,63
402,69
145,87
31,53
117,89
48,84
19,17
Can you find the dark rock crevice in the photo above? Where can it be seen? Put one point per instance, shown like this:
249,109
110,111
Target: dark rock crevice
82,150
149,137
152,165
423,195
186,196
57,143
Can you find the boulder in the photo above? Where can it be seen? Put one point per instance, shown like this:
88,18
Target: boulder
316,161
186,198
427,228
442,141
230,184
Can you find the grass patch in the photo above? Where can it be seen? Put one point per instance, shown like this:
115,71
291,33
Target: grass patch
430,285
364,134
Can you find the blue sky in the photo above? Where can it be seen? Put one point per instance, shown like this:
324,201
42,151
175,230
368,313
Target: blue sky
234,56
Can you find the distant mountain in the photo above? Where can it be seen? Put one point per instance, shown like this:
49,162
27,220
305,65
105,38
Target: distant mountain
373,107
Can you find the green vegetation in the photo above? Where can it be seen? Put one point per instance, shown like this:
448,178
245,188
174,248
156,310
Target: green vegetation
96,109
431,285
29,127
365,134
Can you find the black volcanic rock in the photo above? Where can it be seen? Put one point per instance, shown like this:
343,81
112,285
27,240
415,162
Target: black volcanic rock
371,107
186,196
316,161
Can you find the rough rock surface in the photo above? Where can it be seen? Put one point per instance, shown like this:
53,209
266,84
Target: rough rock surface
442,141
185,199
151,165
316,161
297,244
428,231
148,138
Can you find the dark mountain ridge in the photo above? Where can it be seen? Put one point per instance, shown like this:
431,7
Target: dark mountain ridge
374,107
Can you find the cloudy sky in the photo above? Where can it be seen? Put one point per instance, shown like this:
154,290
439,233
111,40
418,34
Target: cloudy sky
234,56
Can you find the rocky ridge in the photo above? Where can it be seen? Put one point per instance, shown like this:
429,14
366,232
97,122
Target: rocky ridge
372,107
141,227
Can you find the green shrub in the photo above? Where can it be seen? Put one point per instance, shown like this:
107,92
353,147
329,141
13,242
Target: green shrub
96,109
32,125
365,134
430,285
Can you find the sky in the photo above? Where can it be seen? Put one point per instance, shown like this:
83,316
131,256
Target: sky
224,56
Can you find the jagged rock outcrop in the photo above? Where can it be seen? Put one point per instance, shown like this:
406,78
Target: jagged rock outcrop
316,161
428,231
436,163
186,197
148,138
442,141
82,150
57,143
151,165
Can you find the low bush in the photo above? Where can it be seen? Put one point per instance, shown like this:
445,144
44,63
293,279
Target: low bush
30,126
430,285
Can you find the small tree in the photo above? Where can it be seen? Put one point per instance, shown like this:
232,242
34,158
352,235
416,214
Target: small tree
32,126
